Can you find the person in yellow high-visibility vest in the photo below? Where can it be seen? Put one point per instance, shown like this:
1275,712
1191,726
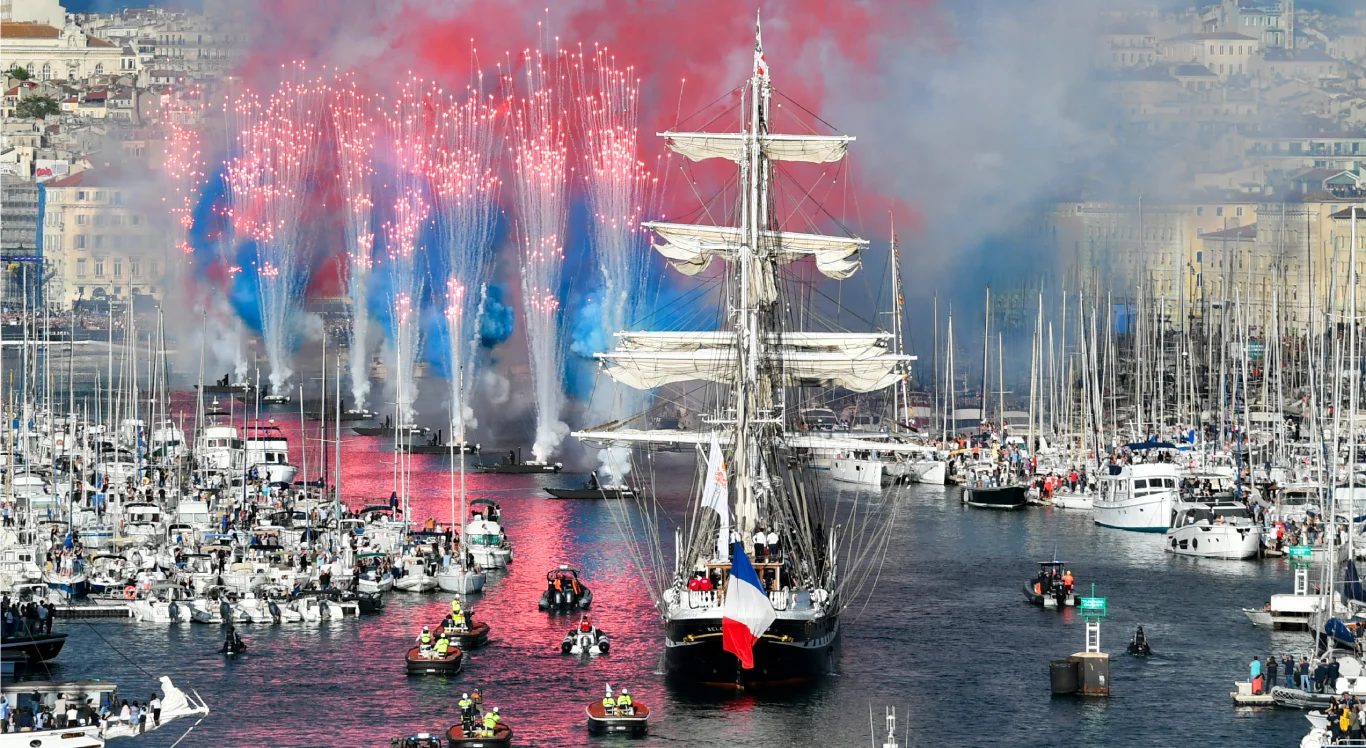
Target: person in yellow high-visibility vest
443,647
624,703
455,605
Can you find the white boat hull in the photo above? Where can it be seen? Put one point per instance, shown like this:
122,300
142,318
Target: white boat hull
462,581
1214,541
1073,501
933,472
415,583
1151,513
859,472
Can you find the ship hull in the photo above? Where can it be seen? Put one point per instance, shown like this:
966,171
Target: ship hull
807,654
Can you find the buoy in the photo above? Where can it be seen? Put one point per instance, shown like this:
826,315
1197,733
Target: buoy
130,592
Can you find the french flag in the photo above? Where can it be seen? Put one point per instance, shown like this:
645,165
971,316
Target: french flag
747,613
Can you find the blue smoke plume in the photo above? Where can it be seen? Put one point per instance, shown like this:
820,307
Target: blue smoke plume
245,293
496,324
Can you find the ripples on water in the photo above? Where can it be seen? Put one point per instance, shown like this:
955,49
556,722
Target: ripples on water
947,639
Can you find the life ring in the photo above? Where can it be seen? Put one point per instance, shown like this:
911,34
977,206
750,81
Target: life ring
130,592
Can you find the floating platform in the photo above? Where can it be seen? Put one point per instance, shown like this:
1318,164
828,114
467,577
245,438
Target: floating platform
1244,696
602,723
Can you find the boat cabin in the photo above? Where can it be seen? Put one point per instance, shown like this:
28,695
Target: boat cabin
35,695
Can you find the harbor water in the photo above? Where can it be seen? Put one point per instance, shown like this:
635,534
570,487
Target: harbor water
945,636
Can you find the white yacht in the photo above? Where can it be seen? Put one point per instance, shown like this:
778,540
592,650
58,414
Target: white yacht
1138,497
1213,531
268,455
219,448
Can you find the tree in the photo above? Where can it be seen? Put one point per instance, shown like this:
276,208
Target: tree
37,106
19,73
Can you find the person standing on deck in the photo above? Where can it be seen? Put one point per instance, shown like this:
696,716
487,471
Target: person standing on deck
1271,668
1288,665
1255,675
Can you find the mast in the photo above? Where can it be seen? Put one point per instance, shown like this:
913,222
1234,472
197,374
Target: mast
986,366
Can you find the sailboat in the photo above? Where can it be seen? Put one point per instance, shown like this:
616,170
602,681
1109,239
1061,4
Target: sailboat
754,359
458,576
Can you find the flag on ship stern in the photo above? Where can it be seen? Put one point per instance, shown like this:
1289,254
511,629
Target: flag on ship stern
746,613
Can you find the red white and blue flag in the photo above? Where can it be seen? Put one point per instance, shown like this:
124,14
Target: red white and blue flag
746,613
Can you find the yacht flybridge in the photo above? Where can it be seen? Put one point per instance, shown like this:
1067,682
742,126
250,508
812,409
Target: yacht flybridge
752,360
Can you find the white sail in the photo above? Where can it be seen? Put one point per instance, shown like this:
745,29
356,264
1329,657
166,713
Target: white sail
852,343
811,149
860,370
691,247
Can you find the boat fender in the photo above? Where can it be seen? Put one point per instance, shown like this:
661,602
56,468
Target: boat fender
603,645
174,610
130,592
275,611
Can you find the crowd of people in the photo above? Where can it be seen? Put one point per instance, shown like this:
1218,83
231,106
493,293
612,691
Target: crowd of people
33,712
23,619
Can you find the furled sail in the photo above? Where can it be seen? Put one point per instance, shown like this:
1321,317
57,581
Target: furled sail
859,363
811,149
690,247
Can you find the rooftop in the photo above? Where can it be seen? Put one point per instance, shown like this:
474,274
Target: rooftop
1237,232
104,176
28,30
1212,36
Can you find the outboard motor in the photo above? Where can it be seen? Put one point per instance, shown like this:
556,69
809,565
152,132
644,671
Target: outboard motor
275,611
225,611
174,610
586,599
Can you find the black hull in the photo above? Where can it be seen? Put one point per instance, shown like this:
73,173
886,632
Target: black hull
566,602
37,648
419,665
588,493
519,469
476,637
436,449
807,653
1004,497
231,389
370,603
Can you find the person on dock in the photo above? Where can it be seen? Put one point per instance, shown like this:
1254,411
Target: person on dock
1288,665
1304,673
1271,667
1320,675
1255,675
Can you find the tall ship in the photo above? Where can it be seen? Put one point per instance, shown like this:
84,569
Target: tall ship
753,475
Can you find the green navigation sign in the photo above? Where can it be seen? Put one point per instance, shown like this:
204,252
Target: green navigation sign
1301,552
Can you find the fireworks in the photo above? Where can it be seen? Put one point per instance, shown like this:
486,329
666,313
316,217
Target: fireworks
269,181
619,189
355,142
465,186
540,160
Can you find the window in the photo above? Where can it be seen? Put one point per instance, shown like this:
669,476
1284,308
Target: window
99,195
1199,210
1199,256
118,269
99,241
134,269
99,68
153,267
118,241
137,220
80,241
116,220
80,268
118,198
1219,211
80,195
1239,211
99,268
81,219
47,71
100,219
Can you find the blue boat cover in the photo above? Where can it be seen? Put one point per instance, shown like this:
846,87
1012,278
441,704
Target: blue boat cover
1338,630
1352,586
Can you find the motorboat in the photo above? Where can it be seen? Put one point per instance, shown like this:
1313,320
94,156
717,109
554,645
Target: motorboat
88,732
416,576
374,576
592,489
995,497
1223,530
418,740
425,661
267,455
926,469
458,738
232,644
1138,497
585,639
1138,646
633,720
513,464
1048,589
1289,612
564,591
315,608
1079,500
483,537
474,635
456,578
164,603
